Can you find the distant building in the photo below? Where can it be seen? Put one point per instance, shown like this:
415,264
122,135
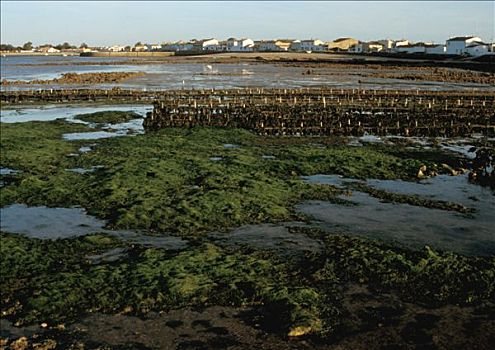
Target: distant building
311,45
363,47
48,49
373,46
457,45
239,45
206,45
116,48
401,42
356,48
411,48
478,48
341,44
141,48
178,46
155,47
274,45
388,44
436,49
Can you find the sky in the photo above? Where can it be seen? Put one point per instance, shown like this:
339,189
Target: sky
100,23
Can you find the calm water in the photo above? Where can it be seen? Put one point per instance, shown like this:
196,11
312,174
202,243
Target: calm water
411,225
53,223
199,75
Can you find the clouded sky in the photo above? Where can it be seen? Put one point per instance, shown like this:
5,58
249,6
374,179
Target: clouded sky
126,22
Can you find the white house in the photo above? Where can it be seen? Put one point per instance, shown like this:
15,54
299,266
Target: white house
274,45
116,48
362,47
436,49
206,45
458,44
401,42
387,44
141,48
155,47
240,45
47,49
411,48
312,45
477,49
178,46
356,48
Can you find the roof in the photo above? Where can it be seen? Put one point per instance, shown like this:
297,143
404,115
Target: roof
342,39
477,43
461,38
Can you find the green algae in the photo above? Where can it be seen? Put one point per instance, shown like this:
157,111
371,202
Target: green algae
109,117
166,181
37,147
52,281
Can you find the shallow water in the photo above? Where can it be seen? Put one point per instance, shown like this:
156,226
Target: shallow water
92,135
111,255
85,170
53,223
200,75
47,113
8,171
273,237
48,223
411,225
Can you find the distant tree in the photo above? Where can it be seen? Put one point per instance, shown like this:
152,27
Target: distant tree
83,46
64,46
127,48
6,47
27,46
138,44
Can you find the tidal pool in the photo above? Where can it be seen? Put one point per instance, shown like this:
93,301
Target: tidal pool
409,225
273,237
52,112
8,171
92,135
53,223
85,170
48,223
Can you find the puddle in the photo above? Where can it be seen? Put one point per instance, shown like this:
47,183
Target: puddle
8,171
85,149
230,145
273,237
460,148
411,225
334,180
48,223
8,330
92,135
268,157
163,241
48,113
367,138
85,170
216,159
111,255
53,223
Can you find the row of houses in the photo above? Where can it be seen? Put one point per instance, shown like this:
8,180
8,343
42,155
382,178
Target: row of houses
461,45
